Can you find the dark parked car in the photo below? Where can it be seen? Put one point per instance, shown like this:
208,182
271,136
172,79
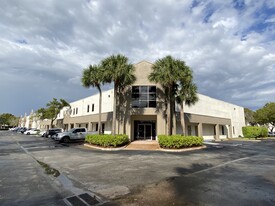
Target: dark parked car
52,132
22,130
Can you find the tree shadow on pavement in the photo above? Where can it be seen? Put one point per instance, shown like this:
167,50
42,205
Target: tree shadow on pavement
241,183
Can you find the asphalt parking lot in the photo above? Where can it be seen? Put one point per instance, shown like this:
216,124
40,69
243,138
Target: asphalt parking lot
227,173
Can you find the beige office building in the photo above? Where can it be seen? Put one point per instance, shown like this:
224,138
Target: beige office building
141,113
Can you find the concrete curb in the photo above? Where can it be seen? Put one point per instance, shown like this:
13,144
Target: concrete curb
182,150
160,149
105,149
247,140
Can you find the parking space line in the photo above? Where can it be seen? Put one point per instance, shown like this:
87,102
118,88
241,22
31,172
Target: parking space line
220,165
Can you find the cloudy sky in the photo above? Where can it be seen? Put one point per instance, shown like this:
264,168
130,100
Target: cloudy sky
44,46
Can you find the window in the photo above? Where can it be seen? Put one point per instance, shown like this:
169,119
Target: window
76,111
93,107
143,96
88,108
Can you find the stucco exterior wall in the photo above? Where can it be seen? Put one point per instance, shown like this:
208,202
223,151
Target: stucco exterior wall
82,105
216,108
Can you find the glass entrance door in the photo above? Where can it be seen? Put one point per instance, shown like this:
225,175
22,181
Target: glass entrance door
145,131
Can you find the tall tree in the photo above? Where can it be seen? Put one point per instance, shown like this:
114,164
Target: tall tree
8,119
249,117
266,115
186,93
52,109
176,80
93,77
118,70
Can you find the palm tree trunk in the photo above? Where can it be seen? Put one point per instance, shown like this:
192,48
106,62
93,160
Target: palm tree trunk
174,119
182,120
99,113
114,110
172,115
168,118
169,113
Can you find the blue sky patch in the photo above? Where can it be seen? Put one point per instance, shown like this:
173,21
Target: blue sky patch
261,16
208,12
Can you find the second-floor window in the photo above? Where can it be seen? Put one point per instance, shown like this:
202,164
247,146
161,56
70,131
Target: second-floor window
143,96
88,108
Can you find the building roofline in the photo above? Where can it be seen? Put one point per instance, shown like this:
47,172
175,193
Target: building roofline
144,61
95,94
219,100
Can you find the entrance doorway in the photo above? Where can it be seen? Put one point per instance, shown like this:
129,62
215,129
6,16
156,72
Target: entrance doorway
145,130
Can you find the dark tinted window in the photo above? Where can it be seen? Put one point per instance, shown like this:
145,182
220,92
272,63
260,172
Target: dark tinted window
152,104
135,89
143,96
152,89
143,89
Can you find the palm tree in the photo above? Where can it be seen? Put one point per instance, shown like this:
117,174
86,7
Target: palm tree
121,73
174,76
187,92
93,77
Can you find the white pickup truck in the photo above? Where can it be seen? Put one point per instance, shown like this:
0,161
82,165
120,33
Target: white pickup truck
72,134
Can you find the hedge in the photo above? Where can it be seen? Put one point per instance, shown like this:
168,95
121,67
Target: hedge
107,140
179,141
254,132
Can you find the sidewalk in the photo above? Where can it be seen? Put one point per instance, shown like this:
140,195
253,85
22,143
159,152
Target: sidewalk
143,145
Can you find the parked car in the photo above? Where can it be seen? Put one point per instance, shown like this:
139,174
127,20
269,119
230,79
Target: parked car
73,134
16,129
52,132
28,129
32,132
22,130
271,134
13,128
42,133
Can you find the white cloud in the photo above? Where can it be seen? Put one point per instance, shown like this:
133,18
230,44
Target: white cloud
231,50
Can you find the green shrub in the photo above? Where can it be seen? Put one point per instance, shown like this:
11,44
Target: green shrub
179,141
107,140
254,132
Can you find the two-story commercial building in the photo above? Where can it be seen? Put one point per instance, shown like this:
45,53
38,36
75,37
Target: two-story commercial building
141,113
